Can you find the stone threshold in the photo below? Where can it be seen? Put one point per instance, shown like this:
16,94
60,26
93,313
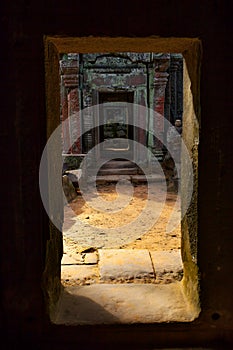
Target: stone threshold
75,176
123,304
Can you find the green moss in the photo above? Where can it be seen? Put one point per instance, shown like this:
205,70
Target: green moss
72,162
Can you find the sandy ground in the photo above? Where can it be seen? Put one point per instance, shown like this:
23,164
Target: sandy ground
156,238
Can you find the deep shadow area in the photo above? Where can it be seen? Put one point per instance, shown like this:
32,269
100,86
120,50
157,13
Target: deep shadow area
82,310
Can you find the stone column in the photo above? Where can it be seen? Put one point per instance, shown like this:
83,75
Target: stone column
70,105
174,66
87,112
64,116
180,88
141,118
161,62
75,123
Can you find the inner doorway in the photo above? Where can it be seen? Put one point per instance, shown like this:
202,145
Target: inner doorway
116,131
117,120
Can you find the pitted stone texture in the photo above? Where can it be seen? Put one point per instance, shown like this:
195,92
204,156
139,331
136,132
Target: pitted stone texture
168,265
74,273
125,264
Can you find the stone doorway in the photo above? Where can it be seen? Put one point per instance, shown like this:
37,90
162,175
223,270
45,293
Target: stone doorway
117,121
182,290
117,124
116,83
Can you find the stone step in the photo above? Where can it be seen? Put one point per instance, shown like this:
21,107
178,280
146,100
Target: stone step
118,171
118,164
135,179
102,180
145,178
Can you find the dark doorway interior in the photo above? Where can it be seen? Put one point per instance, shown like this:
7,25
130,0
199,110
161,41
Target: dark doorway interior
116,120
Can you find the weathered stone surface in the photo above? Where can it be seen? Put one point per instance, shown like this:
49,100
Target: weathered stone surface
168,265
117,264
124,303
74,273
91,258
76,254
68,260
74,258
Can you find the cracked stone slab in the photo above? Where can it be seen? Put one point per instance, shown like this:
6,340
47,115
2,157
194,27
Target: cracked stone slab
167,263
117,264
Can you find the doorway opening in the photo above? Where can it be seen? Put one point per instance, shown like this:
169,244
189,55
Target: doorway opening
117,81
116,122
120,279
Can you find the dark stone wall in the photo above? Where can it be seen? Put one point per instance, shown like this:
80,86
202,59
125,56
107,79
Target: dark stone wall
24,224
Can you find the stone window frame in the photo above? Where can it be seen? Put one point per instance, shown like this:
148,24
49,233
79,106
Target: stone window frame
191,50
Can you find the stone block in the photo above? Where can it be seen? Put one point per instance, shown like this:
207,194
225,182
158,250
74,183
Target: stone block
168,265
91,258
73,273
68,260
128,264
